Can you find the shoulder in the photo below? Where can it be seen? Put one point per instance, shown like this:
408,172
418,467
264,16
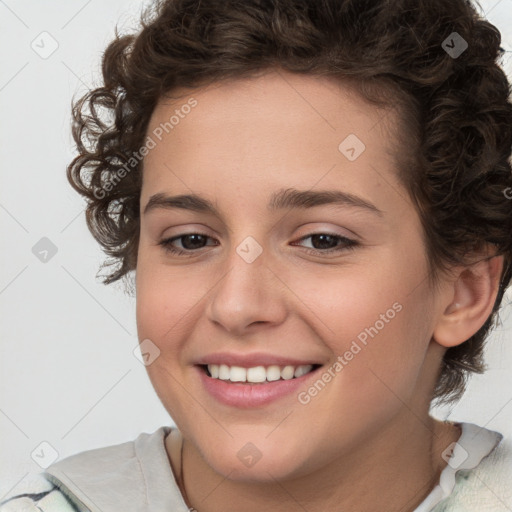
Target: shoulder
119,477
488,486
110,465
106,479
38,495
495,470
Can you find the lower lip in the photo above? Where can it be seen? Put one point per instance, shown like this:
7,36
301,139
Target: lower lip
245,395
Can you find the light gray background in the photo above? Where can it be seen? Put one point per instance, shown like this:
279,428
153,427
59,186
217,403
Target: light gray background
68,373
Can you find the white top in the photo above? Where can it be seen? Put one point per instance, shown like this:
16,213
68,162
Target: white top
472,446
137,476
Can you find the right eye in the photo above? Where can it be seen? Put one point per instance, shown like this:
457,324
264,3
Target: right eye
190,242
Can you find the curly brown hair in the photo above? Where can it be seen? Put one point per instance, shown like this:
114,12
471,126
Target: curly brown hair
454,109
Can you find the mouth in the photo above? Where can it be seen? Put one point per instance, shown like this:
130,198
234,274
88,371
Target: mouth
257,374
254,387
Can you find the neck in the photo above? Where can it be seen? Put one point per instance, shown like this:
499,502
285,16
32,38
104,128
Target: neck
394,470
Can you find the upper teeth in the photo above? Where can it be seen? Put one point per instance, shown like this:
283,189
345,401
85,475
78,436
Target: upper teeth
257,373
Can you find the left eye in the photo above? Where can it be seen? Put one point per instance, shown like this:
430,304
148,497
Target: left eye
190,242
331,241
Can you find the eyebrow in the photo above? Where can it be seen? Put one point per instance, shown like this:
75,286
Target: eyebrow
284,198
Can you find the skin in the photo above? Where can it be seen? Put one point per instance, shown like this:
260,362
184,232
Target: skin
366,440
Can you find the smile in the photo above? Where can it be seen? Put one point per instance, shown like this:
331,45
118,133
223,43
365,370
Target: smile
257,374
255,386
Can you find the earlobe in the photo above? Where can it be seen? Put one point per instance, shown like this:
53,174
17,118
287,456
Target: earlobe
472,294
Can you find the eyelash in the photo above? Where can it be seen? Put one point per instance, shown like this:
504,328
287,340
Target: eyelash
349,244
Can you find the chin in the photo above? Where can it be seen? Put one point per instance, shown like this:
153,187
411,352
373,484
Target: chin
262,472
251,464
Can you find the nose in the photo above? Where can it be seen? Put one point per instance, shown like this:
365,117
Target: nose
248,294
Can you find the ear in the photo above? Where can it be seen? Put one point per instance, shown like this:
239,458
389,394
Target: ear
471,299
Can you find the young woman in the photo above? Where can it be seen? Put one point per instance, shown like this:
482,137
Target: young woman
315,200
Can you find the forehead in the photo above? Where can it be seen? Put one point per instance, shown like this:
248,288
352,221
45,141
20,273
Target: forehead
277,130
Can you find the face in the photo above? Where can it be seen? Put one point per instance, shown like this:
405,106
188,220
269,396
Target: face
336,284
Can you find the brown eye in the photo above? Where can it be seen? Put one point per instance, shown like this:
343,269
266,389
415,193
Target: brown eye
190,243
328,243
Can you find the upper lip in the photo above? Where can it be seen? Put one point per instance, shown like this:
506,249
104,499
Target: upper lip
251,360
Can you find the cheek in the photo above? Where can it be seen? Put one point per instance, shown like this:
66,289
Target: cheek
163,308
375,327
166,296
